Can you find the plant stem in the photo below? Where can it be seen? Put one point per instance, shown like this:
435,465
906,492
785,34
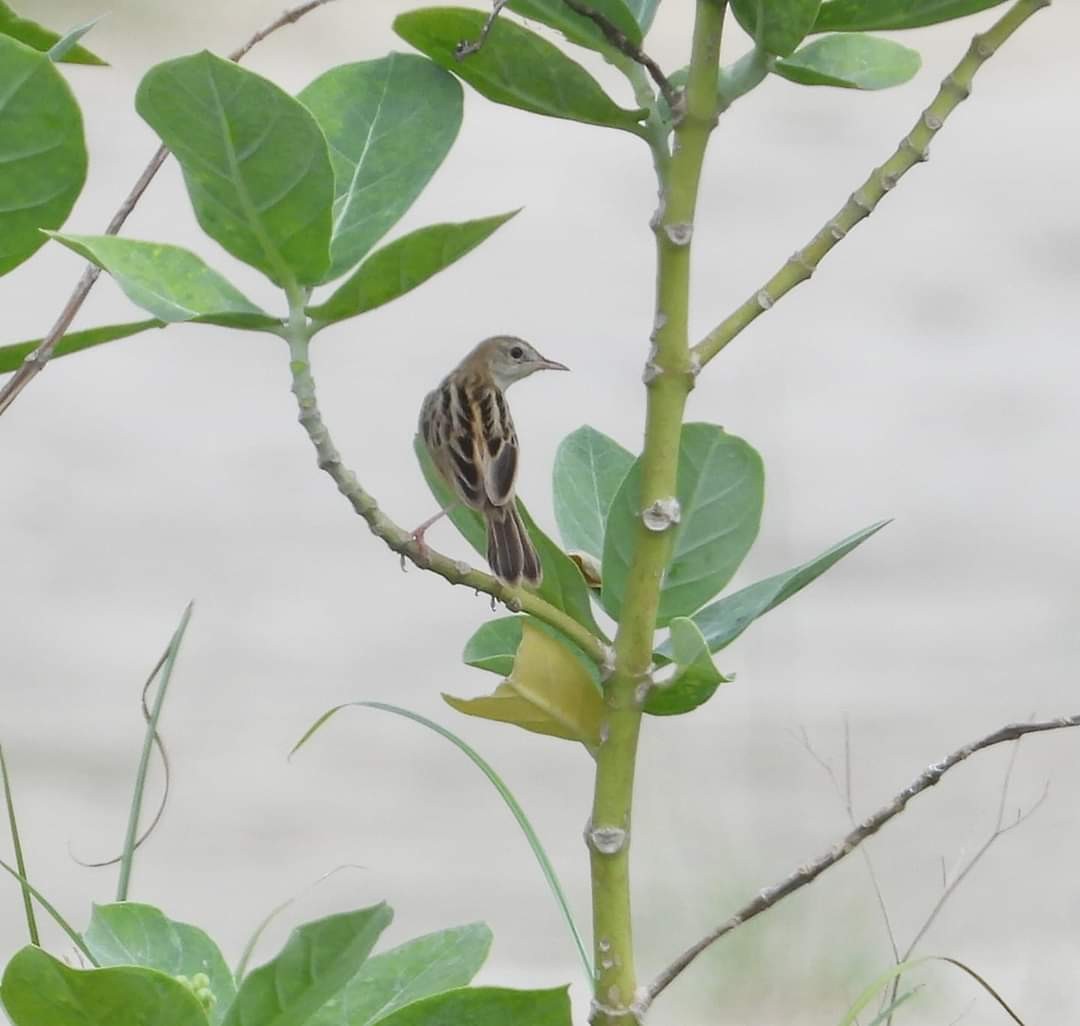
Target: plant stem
28,905
669,377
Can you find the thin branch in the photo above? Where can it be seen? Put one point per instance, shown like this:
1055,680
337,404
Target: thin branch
809,872
35,362
465,48
913,149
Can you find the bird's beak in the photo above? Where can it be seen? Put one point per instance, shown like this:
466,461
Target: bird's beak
546,364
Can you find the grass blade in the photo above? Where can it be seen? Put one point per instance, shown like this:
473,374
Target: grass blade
28,905
507,796
60,921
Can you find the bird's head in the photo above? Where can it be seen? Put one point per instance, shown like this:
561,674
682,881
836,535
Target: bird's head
508,359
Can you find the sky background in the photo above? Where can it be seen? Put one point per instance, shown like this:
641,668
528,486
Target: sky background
929,374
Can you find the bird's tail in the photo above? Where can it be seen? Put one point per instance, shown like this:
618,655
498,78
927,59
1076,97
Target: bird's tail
510,551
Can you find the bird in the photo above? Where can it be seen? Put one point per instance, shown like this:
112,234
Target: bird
466,426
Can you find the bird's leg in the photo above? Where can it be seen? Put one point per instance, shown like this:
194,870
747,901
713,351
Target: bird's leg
418,535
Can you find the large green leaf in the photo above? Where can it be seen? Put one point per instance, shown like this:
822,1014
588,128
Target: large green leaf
317,962
850,61
169,282
39,990
777,26
40,38
128,933
403,264
589,467
515,67
720,493
11,356
576,27
254,159
415,970
696,678
723,621
42,151
870,15
487,1006
389,122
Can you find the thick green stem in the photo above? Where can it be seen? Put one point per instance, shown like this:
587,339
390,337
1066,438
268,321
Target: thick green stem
669,376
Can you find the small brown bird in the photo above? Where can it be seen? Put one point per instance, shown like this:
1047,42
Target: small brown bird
467,428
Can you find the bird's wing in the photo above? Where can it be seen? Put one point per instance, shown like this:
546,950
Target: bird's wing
496,445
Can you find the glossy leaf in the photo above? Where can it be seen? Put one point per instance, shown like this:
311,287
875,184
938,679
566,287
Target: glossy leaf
777,26
39,990
696,678
494,645
576,27
723,621
850,61
255,162
11,356
40,38
42,151
487,1006
128,933
169,282
589,467
720,493
390,123
317,962
515,67
415,970
403,264
871,15
548,692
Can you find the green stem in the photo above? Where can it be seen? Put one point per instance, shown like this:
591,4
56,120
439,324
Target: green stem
913,149
297,331
669,376
28,905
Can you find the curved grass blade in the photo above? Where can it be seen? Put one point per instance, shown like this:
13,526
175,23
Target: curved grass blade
28,905
44,902
507,796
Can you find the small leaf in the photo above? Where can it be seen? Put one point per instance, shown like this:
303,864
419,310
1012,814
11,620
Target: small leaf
720,492
487,1006
871,15
128,933
317,962
42,150
390,123
169,282
494,645
850,61
724,620
255,162
696,678
39,990
11,356
777,26
576,27
515,67
40,38
643,11
415,970
589,467
548,692
59,51
399,267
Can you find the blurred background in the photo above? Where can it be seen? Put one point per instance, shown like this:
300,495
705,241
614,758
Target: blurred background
928,374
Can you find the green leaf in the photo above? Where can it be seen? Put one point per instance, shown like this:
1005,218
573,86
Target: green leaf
589,467
42,151
850,61
415,970
128,933
871,15
403,264
172,283
548,692
724,620
777,26
495,643
39,990
256,163
577,28
389,122
69,40
487,1006
720,492
696,678
11,356
643,11
317,962
40,38
515,67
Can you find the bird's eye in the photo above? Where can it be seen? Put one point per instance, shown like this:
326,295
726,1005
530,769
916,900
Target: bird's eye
517,352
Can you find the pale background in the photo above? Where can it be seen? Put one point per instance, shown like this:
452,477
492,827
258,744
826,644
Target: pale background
928,374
